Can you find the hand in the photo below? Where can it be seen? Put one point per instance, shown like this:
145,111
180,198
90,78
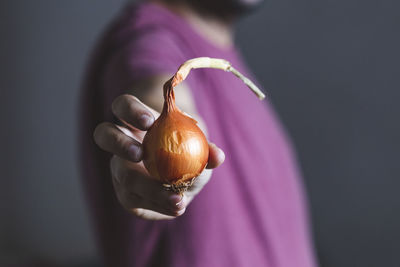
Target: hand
137,192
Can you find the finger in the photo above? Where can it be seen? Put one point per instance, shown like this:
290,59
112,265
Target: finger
157,198
131,201
150,205
109,138
134,182
199,183
216,156
130,110
154,192
150,214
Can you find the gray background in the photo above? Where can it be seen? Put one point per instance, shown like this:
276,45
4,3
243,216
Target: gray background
331,69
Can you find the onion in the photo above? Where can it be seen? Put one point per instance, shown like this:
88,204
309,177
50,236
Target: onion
175,149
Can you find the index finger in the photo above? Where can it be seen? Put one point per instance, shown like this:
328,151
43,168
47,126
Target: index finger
133,112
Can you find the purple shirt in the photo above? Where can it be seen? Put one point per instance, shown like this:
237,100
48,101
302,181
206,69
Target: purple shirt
251,213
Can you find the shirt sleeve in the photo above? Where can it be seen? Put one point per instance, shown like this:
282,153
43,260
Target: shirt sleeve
148,53
154,52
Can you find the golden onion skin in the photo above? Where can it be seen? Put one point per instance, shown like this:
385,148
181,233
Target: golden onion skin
175,149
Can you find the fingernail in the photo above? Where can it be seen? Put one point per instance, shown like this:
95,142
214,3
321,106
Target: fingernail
175,199
182,203
179,213
135,153
146,120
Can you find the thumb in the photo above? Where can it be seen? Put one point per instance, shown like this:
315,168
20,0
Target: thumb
216,156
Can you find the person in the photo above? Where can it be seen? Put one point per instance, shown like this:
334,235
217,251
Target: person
247,208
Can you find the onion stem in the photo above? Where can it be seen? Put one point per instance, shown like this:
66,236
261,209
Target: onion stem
214,63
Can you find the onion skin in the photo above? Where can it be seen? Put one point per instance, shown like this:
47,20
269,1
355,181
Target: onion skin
175,149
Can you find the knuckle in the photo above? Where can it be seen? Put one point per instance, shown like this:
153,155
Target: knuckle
124,102
118,139
125,146
115,106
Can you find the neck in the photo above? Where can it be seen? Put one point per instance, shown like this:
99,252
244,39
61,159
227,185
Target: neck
217,31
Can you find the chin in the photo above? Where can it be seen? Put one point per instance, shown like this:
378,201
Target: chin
226,8
245,6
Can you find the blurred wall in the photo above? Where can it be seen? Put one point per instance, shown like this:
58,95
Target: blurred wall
331,68
44,47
